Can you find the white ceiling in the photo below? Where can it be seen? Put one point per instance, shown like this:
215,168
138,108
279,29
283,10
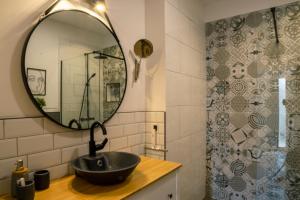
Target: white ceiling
205,2
82,21
220,9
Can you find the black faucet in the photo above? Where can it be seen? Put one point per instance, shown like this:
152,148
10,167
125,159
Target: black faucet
92,144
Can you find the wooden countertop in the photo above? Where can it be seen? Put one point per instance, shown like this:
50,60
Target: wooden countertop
72,188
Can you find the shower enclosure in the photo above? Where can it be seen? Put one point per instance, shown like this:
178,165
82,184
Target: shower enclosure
81,89
253,73
91,86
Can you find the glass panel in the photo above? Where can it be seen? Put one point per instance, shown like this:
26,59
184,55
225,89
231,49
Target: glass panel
73,76
253,137
95,88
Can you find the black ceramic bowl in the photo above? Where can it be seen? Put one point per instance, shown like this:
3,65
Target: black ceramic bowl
106,168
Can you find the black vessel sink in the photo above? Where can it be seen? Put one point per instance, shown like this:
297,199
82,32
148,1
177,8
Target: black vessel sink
105,168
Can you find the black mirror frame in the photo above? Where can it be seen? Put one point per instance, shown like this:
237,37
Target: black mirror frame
23,67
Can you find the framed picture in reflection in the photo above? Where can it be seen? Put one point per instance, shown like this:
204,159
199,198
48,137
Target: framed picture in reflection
36,79
112,92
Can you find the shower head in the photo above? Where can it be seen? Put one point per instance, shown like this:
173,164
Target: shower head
92,76
100,57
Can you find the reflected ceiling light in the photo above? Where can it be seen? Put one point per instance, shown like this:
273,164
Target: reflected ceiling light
64,5
58,5
94,5
100,6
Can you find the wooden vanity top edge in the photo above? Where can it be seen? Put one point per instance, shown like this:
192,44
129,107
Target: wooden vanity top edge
147,172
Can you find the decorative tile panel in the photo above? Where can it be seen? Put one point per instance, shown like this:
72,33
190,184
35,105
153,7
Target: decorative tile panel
253,129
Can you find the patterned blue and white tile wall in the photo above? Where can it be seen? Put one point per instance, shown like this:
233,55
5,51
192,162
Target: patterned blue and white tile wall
253,138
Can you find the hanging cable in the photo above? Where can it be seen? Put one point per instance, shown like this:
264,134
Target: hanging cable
273,10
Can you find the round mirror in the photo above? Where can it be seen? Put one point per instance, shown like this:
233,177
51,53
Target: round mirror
74,69
143,48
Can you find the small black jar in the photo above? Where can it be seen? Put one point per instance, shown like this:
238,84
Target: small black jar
42,179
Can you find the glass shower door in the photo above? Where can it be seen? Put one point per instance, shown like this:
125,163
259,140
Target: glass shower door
81,90
95,88
253,132
73,78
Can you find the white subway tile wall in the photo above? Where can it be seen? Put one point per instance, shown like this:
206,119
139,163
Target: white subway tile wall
114,131
140,117
44,159
118,143
51,127
71,153
67,139
34,144
59,171
135,139
42,144
1,130
113,121
8,148
153,138
8,165
23,127
138,148
186,117
131,129
126,118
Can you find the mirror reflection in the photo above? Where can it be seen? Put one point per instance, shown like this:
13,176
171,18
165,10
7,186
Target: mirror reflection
74,69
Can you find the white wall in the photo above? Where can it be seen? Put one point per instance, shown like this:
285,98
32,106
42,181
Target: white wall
176,82
128,19
155,64
186,93
220,9
17,18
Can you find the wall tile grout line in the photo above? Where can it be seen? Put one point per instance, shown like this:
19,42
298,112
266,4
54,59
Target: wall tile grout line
52,140
12,118
44,121
4,134
188,75
34,117
17,145
43,124
185,15
27,160
61,161
187,45
28,136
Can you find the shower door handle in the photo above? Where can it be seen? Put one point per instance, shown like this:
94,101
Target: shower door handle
284,102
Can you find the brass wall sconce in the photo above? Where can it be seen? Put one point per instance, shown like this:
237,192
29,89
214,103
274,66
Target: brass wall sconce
142,49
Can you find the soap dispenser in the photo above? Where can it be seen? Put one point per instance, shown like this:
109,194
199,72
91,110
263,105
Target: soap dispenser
20,172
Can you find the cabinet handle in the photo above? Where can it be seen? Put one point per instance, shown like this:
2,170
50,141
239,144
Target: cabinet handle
170,196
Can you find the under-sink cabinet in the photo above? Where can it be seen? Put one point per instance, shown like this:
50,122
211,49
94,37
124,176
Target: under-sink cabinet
165,188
